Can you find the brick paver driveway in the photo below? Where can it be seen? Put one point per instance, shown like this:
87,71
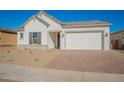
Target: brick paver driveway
89,61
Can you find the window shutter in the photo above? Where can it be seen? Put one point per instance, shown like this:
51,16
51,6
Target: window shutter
39,37
30,38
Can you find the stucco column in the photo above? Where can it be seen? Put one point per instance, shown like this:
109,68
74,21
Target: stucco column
62,40
107,39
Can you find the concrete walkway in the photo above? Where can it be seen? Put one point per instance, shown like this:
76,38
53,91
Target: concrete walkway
32,74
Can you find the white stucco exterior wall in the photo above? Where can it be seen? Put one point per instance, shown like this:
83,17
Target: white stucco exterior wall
36,26
53,27
62,40
50,42
25,40
107,39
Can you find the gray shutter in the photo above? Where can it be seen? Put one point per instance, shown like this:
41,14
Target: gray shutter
30,38
39,37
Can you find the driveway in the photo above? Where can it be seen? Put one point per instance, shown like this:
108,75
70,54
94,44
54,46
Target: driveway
89,61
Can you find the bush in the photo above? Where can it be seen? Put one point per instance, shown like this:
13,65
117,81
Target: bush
8,51
30,52
35,59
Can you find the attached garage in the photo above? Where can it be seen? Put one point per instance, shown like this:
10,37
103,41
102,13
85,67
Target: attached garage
84,40
89,35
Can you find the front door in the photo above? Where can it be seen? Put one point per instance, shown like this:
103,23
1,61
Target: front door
58,40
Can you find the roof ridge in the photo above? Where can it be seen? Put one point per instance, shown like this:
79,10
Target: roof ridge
50,16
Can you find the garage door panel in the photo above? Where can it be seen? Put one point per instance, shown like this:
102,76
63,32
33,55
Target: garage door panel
86,41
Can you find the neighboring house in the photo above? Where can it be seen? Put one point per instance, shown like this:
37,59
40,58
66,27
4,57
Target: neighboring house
117,40
42,30
7,37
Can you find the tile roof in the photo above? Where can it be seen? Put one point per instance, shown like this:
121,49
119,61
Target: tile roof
67,24
120,31
85,23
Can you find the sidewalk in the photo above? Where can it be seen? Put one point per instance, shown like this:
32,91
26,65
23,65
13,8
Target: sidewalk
33,74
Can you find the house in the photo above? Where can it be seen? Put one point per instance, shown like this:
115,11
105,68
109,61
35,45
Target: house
43,30
117,39
7,37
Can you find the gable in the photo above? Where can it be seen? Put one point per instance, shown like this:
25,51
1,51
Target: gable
33,18
42,18
54,24
35,25
41,21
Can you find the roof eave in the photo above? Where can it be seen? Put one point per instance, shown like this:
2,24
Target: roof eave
8,32
74,26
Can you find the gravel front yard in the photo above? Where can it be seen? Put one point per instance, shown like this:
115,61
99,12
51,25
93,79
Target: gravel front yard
89,61
28,57
76,60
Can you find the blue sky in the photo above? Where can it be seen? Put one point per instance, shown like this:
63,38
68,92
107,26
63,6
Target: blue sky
15,18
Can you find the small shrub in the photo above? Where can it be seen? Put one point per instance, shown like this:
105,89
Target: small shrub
2,56
30,52
25,49
10,60
36,60
8,51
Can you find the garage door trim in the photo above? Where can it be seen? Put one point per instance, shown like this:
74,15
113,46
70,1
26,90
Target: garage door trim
102,38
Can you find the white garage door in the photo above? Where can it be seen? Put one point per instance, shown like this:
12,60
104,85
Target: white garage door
84,40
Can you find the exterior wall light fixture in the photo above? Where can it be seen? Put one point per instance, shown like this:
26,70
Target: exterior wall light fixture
106,34
62,35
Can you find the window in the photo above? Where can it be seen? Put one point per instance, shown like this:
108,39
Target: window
21,36
35,38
